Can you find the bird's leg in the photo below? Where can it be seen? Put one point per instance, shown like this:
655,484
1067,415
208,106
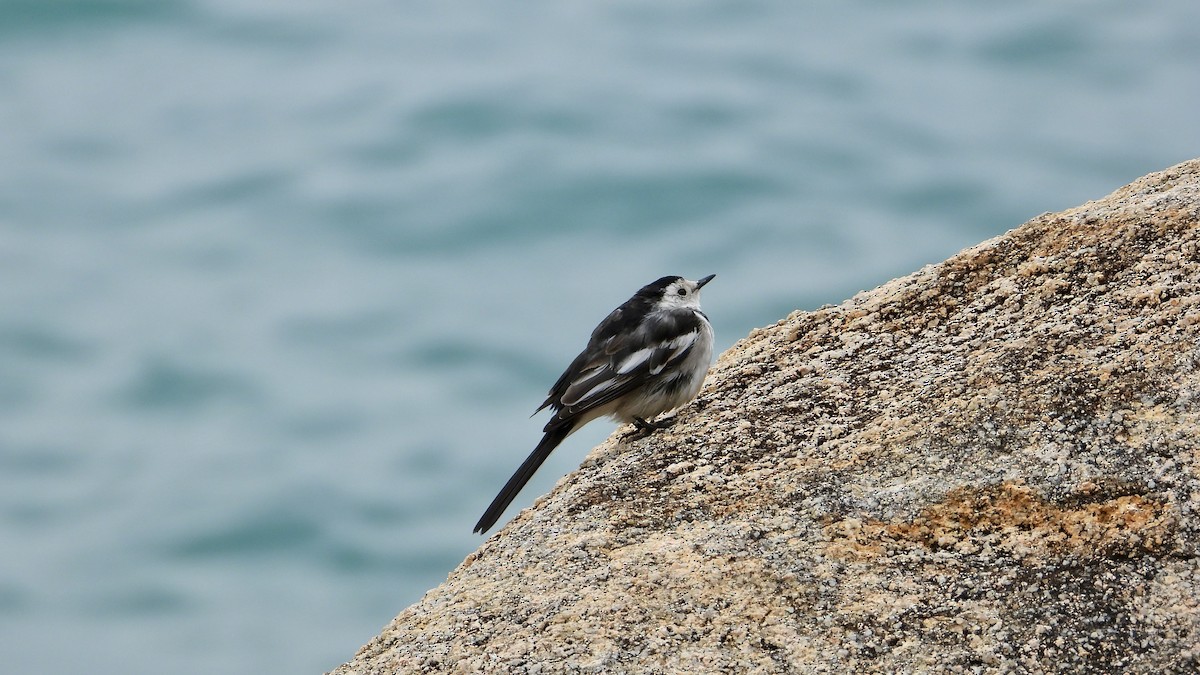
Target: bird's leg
643,428
654,424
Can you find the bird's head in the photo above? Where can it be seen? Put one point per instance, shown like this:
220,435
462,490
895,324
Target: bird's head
675,292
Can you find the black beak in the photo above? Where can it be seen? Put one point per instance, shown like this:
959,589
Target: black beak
705,280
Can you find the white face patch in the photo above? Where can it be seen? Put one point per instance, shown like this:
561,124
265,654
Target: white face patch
682,294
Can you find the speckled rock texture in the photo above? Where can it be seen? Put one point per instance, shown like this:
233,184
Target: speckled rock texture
991,465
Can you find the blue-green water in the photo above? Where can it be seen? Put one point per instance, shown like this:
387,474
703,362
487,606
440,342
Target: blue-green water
280,282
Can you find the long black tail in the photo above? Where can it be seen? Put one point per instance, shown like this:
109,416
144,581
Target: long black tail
509,492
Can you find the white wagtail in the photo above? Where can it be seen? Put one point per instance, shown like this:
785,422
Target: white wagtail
647,357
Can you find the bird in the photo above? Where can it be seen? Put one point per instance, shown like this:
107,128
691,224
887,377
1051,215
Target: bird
649,356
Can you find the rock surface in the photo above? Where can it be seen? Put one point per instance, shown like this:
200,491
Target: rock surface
991,465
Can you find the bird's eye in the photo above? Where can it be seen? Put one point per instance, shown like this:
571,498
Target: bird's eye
682,291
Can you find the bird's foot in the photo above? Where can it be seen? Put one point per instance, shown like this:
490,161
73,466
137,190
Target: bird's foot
643,428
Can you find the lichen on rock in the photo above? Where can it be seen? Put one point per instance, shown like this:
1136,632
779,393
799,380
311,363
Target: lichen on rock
990,465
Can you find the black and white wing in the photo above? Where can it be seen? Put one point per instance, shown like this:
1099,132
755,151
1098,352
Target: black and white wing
620,359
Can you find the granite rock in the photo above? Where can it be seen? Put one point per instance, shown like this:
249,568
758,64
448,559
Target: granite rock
990,465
